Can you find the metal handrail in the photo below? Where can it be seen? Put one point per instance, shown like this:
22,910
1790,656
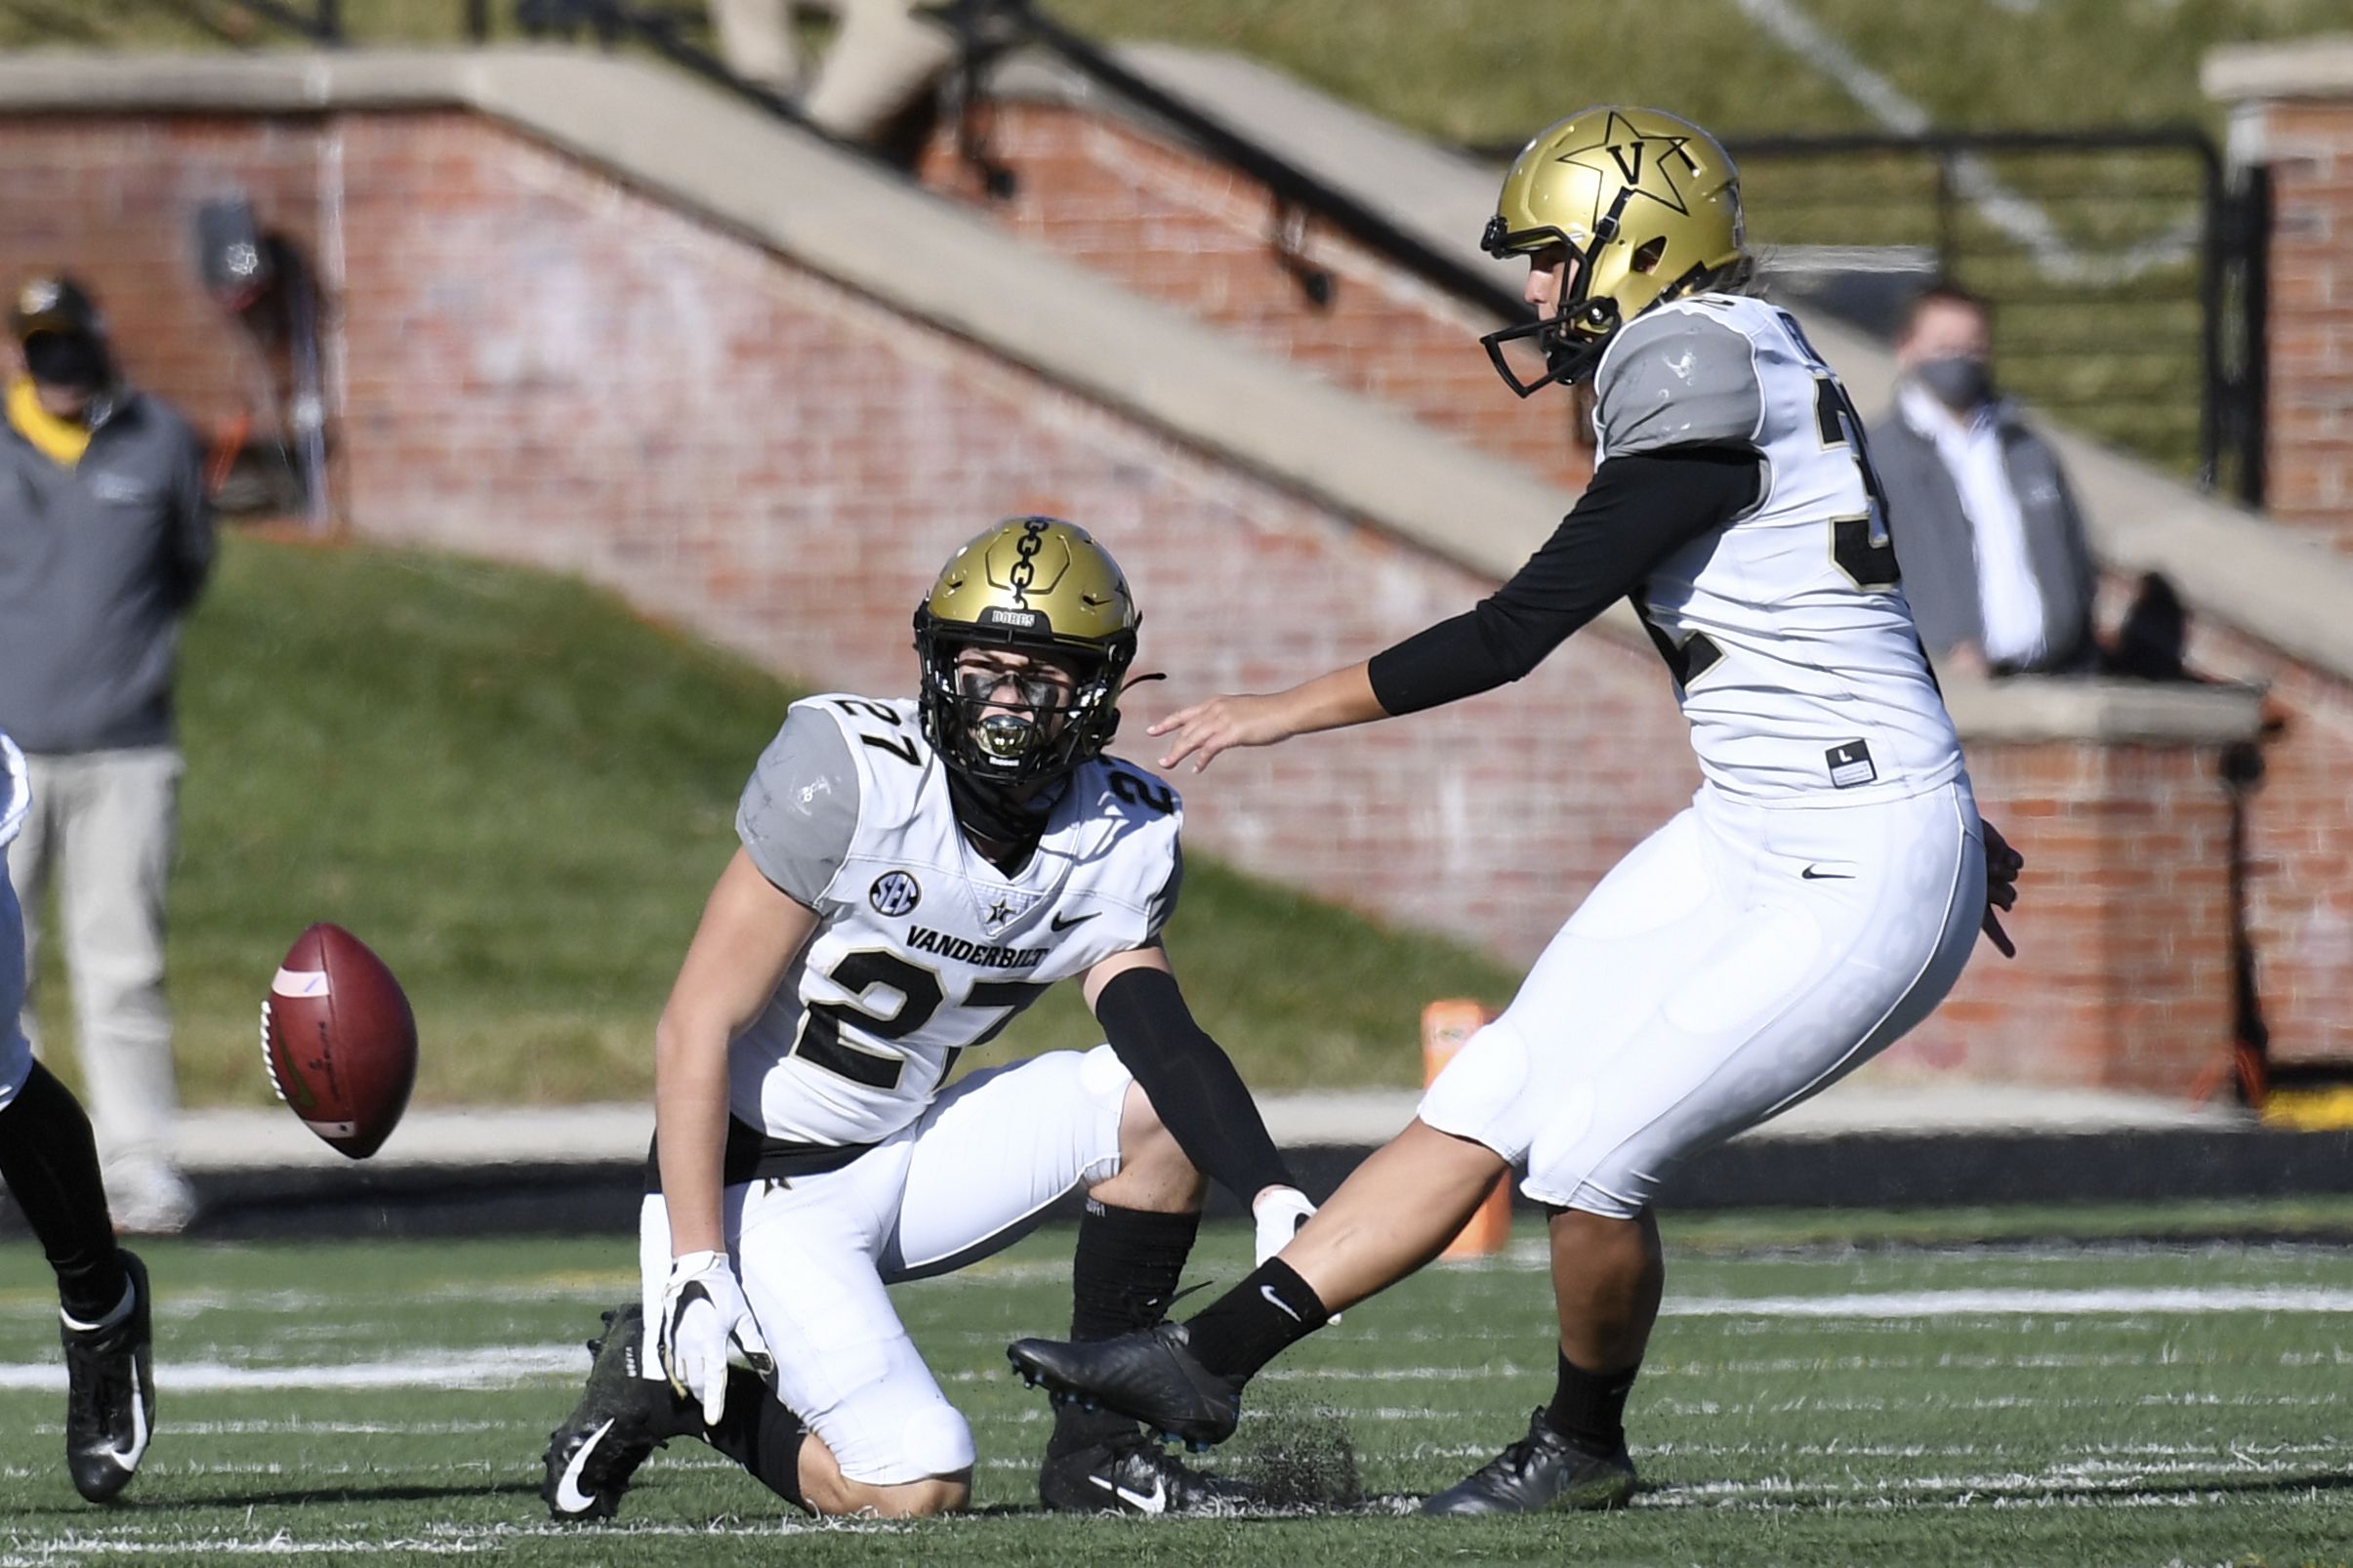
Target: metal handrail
2231,249
1286,181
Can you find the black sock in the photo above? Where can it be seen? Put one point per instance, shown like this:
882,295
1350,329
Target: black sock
49,1163
1589,1408
1256,1321
1123,1276
758,1433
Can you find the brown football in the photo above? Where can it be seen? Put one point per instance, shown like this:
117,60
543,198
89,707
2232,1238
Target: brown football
339,1040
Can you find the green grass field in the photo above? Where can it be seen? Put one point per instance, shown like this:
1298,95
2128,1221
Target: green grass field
520,792
1487,70
1927,1390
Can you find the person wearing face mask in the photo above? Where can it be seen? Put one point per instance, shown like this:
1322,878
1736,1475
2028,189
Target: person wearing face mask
105,539
1985,530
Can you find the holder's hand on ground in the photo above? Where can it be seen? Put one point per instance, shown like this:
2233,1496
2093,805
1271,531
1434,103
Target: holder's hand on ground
1207,729
2001,867
705,1323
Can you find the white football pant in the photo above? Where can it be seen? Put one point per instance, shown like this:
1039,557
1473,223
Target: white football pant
970,1177
1739,959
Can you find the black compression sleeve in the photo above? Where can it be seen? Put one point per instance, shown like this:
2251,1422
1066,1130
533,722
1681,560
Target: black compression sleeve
1192,1081
1638,509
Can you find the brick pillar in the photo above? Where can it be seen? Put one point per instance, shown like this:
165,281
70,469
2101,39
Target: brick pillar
2291,109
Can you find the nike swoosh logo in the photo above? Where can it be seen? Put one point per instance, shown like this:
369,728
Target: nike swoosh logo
1060,923
1812,874
1279,1304
1155,1501
129,1455
568,1496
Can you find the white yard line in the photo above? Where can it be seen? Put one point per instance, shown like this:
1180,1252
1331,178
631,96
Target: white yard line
2189,1301
479,1367
295,1427
43,1550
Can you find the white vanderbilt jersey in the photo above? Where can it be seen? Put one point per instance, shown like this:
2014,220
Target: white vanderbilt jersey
1793,648
923,949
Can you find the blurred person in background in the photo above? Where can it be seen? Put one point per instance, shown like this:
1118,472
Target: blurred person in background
105,538
1991,544
884,55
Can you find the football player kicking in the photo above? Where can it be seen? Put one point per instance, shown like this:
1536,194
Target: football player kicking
1816,900
49,1163
912,875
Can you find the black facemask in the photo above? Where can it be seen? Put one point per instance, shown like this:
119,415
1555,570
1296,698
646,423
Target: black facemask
67,360
990,813
1961,383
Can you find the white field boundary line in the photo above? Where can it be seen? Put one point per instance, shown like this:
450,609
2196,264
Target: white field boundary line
1846,1404
42,1298
504,1366
2056,1488
2024,221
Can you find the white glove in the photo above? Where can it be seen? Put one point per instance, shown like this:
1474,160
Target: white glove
1279,1212
705,1323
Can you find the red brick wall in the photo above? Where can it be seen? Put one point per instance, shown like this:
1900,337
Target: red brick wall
2310,436
2106,989
1169,223
543,366
114,202
2301,850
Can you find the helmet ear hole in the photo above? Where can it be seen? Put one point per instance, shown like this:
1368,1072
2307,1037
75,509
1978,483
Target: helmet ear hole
1647,259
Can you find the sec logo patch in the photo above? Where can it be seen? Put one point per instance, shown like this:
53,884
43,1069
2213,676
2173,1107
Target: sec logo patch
894,893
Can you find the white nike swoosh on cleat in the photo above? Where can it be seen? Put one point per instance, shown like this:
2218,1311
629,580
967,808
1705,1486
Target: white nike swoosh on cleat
1155,1501
568,1496
129,1454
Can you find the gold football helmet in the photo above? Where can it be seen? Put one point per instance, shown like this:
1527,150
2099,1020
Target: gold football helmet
1043,585
1648,205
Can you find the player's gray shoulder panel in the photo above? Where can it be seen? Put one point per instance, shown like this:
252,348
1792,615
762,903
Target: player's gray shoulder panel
1677,376
800,811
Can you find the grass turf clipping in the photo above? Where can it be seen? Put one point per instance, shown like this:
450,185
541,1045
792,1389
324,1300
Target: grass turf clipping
1806,1403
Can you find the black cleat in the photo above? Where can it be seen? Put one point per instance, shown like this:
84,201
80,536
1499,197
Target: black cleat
1151,1376
1132,1475
1542,1470
111,1394
622,1417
